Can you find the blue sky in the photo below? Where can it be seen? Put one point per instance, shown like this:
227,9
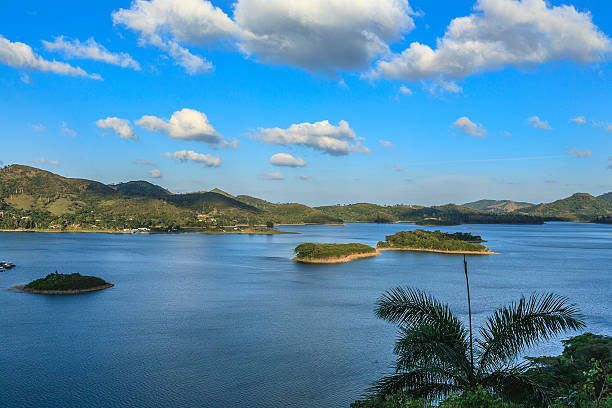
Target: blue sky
427,102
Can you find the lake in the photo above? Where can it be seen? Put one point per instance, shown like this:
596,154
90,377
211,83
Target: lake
229,320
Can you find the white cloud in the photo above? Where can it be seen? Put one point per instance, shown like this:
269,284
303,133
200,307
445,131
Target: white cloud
143,162
167,23
303,177
122,127
439,87
316,35
468,127
321,35
44,162
580,120
67,131
323,136
385,143
287,160
404,90
580,153
37,127
537,123
186,124
155,173
501,33
90,49
273,176
190,155
20,55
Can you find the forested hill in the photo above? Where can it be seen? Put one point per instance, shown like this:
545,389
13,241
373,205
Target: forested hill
37,199
497,205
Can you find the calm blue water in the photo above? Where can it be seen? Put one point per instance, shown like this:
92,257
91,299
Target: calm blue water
221,321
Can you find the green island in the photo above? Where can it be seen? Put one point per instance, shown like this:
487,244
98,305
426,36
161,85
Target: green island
65,284
332,253
434,241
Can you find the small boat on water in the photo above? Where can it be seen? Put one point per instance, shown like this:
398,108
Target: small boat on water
6,265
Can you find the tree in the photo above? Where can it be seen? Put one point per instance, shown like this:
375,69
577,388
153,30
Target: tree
438,356
270,224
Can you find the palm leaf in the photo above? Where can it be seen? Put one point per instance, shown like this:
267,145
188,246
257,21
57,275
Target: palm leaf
517,383
522,324
423,382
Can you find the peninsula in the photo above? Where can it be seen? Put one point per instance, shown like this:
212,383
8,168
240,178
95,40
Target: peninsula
434,241
65,284
332,253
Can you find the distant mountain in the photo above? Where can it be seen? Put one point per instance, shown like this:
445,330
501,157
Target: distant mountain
37,199
578,207
497,205
607,196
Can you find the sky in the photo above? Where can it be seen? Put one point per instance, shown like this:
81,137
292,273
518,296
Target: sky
319,102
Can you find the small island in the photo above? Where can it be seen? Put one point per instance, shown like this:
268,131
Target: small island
332,253
434,241
65,284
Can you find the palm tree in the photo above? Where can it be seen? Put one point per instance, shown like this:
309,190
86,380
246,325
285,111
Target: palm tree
437,355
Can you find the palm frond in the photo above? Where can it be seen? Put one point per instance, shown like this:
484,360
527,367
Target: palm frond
429,345
518,384
425,382
414,307
522,324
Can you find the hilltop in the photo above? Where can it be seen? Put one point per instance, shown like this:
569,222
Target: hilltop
497,205
32,198
578,207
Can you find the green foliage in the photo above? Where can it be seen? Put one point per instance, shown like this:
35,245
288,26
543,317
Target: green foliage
434,357
324,251
433,240
269,224
497,205
578,207
59,281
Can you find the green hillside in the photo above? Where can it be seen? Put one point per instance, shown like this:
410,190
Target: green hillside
607,196
497,205
578,207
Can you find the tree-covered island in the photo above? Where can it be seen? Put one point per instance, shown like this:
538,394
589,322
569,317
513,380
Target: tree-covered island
332,253
65,284
434,241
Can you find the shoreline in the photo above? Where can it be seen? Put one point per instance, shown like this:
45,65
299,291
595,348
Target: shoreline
150,232
22,288
440,251
343,259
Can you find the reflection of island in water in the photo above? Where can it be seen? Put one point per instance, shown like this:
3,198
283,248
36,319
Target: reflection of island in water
332,253
64,284
434,241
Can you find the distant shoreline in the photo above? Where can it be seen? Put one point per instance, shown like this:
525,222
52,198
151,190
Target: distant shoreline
337,260
440,251
22,288
250,232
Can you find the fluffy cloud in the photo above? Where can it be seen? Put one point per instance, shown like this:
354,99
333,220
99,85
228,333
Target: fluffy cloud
287,160
155,173
321,35
273,176
67,131
316,35
166,23
323,136
20,55
498,34
580,153
122,127
90,49
537,123
468,127
190,155
186,124
404,90
41,161
580,120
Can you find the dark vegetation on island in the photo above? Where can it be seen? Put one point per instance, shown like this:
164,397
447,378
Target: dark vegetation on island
310,251
35,199
441,362
65,282
433,240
